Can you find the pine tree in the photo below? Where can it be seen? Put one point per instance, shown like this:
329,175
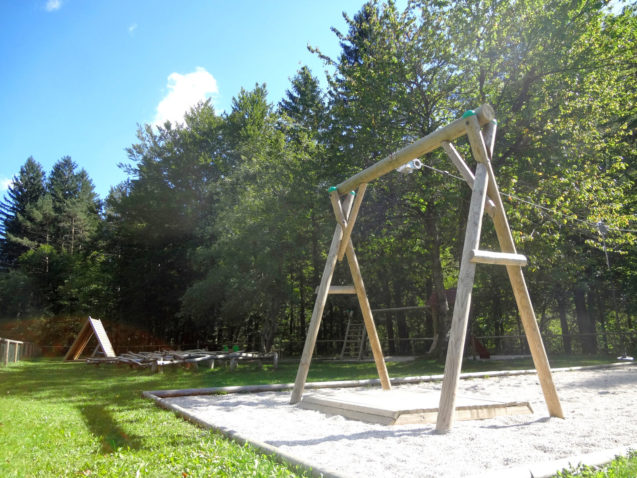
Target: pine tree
25,190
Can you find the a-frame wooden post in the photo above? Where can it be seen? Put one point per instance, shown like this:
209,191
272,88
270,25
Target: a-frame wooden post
457,335
341,234
485,182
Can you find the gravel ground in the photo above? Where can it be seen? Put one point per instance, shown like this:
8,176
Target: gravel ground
599,405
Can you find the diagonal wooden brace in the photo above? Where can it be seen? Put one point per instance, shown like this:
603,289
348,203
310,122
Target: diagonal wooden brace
466,173
366,310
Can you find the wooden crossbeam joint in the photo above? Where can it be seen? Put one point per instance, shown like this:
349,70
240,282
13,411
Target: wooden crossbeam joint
351,220
466,173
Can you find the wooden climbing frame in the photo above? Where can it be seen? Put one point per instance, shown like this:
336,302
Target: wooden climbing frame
480,128
91,327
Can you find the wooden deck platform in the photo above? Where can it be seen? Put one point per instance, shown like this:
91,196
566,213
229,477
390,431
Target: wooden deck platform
400,407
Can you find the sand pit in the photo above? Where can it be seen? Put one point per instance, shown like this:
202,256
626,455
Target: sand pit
600,416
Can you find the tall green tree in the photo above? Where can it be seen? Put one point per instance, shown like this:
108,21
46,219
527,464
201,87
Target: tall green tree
154,219
25,190
75,205
544,66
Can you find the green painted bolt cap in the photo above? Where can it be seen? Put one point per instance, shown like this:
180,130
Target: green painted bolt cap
331,189
468,113
353,193
494,121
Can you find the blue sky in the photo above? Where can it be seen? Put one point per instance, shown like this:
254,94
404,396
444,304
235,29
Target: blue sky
78,76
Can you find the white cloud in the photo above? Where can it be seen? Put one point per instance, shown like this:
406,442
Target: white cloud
184,92
132,28
52,5
5,184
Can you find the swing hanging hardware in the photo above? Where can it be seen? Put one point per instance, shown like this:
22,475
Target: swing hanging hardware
409,167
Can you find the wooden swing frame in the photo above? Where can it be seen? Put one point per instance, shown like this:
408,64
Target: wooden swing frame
480,128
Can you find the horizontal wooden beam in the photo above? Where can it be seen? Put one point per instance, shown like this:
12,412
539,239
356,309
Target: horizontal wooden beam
498,258
423,146
400,309
340,289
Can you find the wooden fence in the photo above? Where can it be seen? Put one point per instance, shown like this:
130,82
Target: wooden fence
15,350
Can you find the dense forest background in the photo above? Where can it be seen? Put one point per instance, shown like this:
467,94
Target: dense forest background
220,232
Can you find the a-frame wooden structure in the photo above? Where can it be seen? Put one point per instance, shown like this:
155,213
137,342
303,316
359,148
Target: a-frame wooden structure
91,326
480,128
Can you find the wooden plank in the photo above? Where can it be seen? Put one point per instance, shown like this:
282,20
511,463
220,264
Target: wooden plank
425,145
404,407
469,412
317,313
498,258
363,415
351,220
362,402
80,342
339,289
102,338
399,309
462,304
342,289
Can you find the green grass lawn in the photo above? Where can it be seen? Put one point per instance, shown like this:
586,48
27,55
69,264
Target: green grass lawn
73,419
621,467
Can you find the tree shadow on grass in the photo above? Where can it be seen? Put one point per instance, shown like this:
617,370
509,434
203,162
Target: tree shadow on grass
102,425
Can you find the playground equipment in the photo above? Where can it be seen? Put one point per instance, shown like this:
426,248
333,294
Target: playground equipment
485,197
91,327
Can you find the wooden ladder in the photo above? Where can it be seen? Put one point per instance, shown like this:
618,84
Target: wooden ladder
355,339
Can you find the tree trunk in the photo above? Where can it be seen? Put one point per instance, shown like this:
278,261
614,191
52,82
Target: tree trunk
584,322
302,305
389,325
401,321
566,336
496,310
601,314
442,314
403,333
